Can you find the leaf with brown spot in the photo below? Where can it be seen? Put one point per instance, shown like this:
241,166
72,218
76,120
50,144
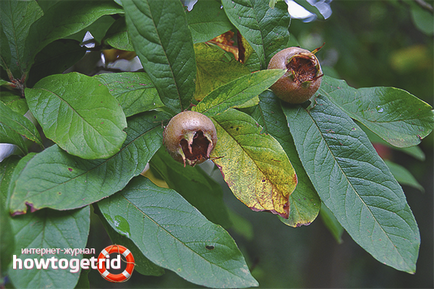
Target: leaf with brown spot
225,42
253,164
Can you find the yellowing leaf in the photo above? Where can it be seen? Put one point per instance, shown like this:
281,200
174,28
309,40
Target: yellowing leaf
215,67
253,164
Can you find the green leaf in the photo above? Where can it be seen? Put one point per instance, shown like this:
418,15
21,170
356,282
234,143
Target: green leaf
18,167
117,36
304,203
10,136
241,225
62,19
403,176
422,18
16,18
253,164
134,91
79,114
14,102
13,126
238,91
358,188
49,229
215,67
265,28
7,168
7,242
83,281
174,235
55,58
207,21
162,40
97,29
332,223
395,115
60,181
194,185
143,265
414,151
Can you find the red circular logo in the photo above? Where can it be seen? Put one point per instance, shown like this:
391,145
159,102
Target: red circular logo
115,278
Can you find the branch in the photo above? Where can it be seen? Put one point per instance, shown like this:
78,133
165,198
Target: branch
424,5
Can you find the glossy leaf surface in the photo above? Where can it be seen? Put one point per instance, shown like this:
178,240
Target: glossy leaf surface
13,127
265,28
207,21
71,182
121,236
194,185
175,235
117,36
162,40
16,18
7,239
215,67
237,92
49,229
79,114
14,102
134,91
358,188
395,115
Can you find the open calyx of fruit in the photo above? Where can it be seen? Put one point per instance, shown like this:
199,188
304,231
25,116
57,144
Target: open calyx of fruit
190,137
302,78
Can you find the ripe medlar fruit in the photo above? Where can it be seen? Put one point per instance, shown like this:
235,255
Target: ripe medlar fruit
190,137
302,78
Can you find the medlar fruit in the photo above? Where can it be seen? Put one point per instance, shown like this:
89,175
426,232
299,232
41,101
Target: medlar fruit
190,137
302,78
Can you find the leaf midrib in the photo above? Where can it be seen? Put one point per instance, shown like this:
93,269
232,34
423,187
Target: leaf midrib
93,168
161,45
174,237
352,187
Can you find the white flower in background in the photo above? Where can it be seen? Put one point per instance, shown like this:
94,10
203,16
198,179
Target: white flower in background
299,12
189,4
323,7
88,39
7,149
294,9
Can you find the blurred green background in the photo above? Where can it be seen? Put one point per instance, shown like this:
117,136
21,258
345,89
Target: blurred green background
367,43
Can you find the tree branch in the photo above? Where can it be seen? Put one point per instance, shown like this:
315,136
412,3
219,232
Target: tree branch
424,5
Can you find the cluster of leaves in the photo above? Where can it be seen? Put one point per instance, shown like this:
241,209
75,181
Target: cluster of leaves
105,129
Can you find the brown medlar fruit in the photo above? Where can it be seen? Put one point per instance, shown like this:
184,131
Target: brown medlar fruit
302,78
190,137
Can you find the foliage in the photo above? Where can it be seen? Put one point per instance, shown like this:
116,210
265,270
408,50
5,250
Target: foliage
99,132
